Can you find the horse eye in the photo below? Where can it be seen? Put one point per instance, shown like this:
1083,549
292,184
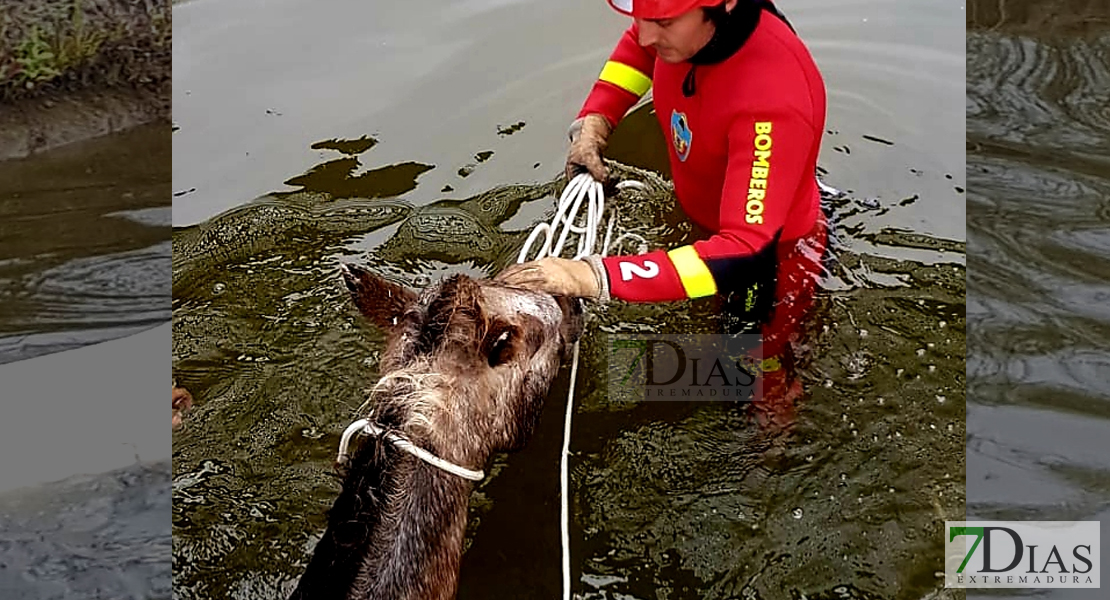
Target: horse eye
501,350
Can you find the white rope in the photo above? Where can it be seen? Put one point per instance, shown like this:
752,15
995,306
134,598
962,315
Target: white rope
582,188
365,427
564,478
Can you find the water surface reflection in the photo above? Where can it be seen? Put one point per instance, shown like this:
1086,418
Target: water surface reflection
1039,270
84,243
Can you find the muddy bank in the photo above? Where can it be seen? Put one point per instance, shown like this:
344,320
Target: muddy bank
77,69
37,125
1066,18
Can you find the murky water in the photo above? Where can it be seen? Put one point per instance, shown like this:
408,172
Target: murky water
101,536
84,243
1039,217
670,500
84,250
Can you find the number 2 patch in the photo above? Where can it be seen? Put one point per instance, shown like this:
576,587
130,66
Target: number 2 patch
629,269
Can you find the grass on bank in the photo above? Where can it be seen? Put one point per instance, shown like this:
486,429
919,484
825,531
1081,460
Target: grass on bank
47,45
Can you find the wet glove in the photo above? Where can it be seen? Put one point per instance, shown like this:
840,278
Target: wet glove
589,136
584,278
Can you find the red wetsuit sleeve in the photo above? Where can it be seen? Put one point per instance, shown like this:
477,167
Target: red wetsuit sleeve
625,77
649,277
768,159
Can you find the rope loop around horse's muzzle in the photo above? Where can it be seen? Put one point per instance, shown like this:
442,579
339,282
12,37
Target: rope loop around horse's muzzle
365,427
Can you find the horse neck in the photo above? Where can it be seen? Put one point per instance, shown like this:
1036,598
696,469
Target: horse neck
396,532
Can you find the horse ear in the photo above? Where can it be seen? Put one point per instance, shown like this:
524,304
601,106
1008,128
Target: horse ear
381,301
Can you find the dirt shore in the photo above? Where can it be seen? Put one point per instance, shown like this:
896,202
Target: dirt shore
1070,18
75,69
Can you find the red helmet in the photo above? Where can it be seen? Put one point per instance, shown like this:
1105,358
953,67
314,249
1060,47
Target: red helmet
659,9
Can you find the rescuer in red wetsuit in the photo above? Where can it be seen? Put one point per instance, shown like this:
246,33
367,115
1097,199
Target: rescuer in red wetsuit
743,105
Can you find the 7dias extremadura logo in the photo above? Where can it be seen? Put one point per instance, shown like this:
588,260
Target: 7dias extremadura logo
1021,554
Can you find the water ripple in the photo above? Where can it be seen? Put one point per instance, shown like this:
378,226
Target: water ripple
83,301
1039,268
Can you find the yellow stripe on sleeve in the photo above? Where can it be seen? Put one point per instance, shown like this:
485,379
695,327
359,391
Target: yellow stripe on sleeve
695,275
626,78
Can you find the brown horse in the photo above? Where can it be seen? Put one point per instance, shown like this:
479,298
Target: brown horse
466,367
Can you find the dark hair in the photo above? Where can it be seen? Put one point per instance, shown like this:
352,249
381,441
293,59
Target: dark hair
717,14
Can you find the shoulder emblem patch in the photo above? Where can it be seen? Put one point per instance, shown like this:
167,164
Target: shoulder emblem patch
681,136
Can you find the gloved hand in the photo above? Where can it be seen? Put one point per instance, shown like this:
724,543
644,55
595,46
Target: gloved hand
576,278
589,136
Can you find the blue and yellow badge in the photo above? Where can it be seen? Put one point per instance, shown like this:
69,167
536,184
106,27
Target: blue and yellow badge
681,135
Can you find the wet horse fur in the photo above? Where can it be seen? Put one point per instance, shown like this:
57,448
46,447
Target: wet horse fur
465,371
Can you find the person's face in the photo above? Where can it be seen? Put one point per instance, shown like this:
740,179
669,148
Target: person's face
679,38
